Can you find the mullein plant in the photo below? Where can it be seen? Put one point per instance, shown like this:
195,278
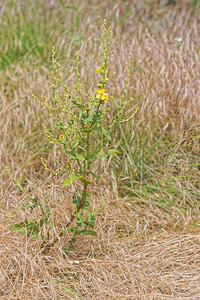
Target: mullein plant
81,128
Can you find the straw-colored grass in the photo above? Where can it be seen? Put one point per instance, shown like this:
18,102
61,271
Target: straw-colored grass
148,244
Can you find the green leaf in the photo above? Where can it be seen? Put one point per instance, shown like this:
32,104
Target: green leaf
73,240
77,199
41,222
50,226
34,206
33,235
79,156
84,179
84,116
102,153
35,199
79,232
28,227
64,4
72,248
19,227
89,119
79,222
71,179
71,7
87,129
92,157
105,133
92,232
94,175
67,182
28,205
70,153
86,232
111,151
75,144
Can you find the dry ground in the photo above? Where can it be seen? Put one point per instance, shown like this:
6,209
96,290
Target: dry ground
148,244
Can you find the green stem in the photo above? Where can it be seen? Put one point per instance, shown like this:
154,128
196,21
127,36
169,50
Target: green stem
48,246
88,148
78,161
85,185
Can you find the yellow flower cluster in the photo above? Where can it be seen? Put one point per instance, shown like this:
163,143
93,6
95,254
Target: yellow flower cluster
99,70
102,95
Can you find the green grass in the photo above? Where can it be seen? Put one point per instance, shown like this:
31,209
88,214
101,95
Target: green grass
160,170
28,33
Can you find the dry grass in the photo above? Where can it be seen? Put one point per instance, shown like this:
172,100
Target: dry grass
128,260
148,244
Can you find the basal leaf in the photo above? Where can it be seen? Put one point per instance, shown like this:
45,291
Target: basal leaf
20,228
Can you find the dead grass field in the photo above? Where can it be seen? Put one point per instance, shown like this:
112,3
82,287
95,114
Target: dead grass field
148,244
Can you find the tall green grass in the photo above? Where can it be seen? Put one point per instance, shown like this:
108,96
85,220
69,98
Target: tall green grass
159,169
30,29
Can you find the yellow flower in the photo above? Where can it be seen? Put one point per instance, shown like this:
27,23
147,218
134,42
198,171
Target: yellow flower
102,95
99,70
100,91
62,137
